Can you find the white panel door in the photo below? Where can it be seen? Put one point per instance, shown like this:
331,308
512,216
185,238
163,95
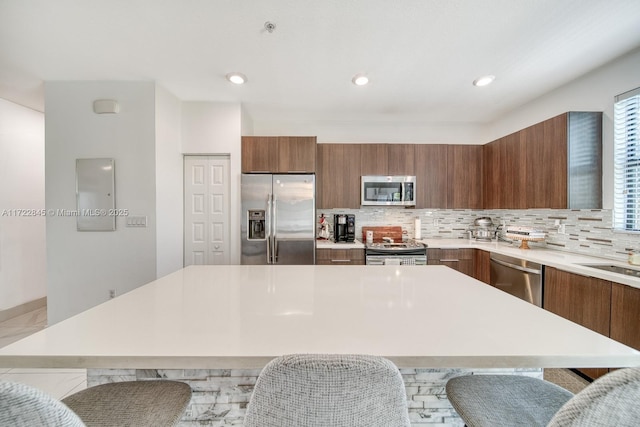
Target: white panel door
206,205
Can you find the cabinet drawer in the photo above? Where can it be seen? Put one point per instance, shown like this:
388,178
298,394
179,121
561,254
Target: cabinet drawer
458,259
340,256
451,255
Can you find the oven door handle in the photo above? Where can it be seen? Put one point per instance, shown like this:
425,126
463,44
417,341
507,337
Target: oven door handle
516,267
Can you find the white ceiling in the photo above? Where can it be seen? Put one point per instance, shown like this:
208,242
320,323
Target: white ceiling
420,55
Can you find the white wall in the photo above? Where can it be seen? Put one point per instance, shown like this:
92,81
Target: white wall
215,128
594,91
83,266
375,132
22,238
246,122
169,187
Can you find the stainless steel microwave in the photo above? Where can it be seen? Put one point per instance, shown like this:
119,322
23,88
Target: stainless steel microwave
388,190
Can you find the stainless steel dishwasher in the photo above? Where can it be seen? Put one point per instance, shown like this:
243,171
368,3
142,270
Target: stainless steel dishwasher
518,277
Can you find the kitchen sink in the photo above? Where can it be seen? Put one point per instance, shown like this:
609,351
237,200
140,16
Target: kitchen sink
627,271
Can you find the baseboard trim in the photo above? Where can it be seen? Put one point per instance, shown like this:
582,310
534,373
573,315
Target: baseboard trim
18,310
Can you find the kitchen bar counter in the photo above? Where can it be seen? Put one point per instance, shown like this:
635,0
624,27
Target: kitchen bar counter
210,317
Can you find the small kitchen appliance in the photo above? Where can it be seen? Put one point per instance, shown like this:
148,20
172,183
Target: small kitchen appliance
388,190
483,229
344,228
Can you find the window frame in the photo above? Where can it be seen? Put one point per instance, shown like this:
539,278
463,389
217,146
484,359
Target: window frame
626,159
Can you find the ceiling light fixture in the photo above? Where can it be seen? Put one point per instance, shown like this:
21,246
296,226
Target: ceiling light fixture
360,80
236,78
484,80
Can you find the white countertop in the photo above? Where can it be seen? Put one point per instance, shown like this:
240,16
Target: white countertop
242,316
562,260
330,244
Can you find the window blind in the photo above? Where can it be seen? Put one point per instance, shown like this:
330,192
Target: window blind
627,161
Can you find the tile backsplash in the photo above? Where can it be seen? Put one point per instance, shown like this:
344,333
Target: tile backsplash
585,231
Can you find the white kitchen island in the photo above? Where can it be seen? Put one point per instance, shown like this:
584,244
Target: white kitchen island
207,322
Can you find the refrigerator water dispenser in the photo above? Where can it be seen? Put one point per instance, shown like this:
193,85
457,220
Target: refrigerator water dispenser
256,225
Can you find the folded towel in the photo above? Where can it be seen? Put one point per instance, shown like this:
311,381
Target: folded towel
392,261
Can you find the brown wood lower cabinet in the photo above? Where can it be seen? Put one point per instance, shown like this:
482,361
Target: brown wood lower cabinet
339,256
625,315
583,300
482,265
458,259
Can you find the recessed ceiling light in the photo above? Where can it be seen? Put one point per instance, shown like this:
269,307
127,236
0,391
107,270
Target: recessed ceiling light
236,78
360,80
484,80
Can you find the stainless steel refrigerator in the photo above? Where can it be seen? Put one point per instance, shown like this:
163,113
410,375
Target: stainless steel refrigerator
278,219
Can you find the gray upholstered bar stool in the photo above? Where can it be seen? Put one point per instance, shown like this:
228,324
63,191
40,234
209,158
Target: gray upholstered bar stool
133,403
307,390
512,400
153,403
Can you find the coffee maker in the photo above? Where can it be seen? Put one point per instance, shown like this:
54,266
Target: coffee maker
344,228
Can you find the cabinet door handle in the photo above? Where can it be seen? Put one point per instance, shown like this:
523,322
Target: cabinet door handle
449,260
340,260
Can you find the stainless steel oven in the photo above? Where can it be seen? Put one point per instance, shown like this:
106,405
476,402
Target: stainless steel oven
405,253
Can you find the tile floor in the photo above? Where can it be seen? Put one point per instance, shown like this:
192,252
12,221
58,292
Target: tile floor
58,383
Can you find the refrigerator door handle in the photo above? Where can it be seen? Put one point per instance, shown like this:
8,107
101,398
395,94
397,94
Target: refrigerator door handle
275,228
268,234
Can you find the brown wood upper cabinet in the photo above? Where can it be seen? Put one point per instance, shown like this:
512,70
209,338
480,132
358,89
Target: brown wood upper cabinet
464,177
387,159
340,167
338,176
504,174
553,164
374,159
401,159
448,176
431,176
279,154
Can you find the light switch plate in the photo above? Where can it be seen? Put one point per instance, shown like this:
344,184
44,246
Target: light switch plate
136,221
